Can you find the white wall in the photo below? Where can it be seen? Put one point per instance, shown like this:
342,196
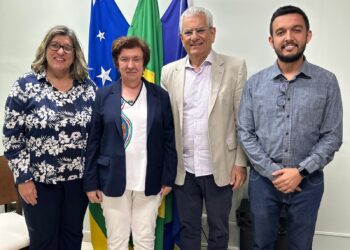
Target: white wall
242,29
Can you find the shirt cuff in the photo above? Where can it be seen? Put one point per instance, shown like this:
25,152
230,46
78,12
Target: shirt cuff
309,164
267,172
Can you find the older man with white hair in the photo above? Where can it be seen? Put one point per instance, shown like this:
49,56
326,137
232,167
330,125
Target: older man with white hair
205,90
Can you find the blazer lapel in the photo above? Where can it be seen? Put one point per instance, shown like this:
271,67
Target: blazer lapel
116,95
152,104
217,72
179,83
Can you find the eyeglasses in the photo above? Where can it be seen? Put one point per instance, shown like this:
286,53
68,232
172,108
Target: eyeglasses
281,99
199,31
56,47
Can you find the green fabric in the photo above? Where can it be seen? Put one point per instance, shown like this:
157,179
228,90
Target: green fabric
146,25
97,213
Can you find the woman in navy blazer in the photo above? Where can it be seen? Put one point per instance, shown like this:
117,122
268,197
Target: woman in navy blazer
131,157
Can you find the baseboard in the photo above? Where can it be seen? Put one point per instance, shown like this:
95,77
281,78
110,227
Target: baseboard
332,234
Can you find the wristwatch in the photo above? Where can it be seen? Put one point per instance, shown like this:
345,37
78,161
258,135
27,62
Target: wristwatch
303,172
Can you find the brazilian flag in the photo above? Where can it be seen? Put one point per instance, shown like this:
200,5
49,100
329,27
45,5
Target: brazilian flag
147,26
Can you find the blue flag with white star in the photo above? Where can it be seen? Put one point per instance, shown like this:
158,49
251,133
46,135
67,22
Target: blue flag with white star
107,23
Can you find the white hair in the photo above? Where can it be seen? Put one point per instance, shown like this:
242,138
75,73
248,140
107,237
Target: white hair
196,11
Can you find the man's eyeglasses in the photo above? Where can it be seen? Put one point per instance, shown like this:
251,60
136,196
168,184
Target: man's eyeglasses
199,31
56,46
281,99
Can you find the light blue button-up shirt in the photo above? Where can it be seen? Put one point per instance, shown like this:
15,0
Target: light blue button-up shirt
291,123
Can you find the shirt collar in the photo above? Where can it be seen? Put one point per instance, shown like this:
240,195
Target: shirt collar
305,71
42,78
207,61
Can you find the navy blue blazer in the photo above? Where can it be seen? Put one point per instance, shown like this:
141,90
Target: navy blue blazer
105,156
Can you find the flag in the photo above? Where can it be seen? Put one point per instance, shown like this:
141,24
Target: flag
171,224
107,23
172,45
147,26
172,51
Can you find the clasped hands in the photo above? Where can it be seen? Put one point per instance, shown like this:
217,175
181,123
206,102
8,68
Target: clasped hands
287,180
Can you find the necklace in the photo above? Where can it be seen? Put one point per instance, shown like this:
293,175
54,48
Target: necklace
63,86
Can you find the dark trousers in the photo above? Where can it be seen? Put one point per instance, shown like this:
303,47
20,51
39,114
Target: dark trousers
56,221
301,209
189,201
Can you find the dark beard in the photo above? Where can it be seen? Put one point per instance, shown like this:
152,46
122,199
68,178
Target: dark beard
293,58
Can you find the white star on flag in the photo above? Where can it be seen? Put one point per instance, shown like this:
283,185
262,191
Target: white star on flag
93,2
101,35
104,75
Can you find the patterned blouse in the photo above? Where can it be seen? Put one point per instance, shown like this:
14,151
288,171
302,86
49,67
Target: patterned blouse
45,130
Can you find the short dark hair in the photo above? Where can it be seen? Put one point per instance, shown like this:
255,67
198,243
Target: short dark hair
289,9
130,42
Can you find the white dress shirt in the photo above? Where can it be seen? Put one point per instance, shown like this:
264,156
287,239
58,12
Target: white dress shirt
196,150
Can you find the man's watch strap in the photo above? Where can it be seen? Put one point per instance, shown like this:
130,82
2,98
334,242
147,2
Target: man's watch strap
303,172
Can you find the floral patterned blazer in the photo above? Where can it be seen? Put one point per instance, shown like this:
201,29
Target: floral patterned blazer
45,130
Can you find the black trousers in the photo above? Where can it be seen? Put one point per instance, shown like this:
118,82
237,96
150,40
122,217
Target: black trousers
56,221
189,201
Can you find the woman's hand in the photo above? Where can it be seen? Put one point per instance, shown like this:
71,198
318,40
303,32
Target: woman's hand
165,190
94,196
27,191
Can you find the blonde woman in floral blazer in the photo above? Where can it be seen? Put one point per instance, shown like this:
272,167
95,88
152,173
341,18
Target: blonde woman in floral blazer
47,118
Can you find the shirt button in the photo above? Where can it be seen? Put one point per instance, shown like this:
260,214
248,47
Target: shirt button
287,133
287,116
288,99
286,150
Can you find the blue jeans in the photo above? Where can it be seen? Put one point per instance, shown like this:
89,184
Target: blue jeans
301,209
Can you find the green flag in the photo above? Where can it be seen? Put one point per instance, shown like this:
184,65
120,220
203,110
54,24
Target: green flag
146,25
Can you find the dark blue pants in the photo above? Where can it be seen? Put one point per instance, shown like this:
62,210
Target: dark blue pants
189,201
56,222
301,208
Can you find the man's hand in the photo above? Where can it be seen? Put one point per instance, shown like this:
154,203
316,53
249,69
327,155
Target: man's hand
94,196
287,180
238,176
165,190
27,191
